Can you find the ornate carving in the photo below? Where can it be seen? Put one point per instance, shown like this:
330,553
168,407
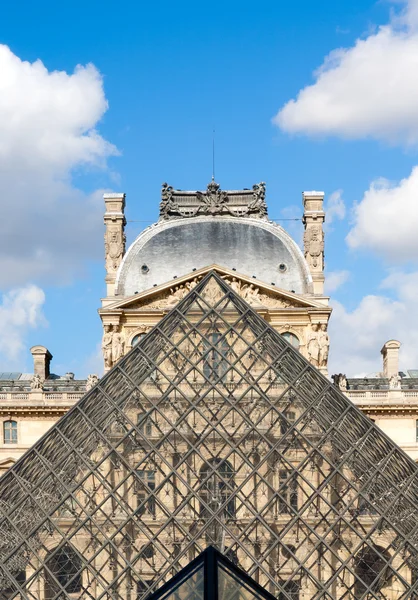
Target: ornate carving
314,247
115,242
36,382
253,296
91,381
258,205
214,201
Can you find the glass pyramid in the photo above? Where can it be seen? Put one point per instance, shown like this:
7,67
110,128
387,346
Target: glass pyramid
211,576
212,431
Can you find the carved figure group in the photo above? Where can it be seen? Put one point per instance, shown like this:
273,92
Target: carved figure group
113,345
258,204
340,381
395,382
36,382
91,381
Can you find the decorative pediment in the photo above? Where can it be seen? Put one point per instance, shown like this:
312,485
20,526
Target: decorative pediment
256,293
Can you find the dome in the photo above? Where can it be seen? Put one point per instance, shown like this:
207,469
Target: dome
254,247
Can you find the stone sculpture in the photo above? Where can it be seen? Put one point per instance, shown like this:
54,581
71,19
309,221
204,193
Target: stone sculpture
91,381
107,346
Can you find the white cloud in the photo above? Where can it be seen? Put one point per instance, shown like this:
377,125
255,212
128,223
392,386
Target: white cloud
367,90
334,280
386,219
47,130
20,311
358,335
335,207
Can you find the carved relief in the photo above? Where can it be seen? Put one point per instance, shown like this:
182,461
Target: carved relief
214,201
314,247
115,242
118,345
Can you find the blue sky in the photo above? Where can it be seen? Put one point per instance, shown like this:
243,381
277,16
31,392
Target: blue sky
165,74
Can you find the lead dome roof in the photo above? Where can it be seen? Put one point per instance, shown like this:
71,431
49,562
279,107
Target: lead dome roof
227,228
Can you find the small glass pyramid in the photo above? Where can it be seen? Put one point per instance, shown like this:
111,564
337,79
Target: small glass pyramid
211,576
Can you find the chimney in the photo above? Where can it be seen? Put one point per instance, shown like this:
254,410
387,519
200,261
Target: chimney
390,353
41,361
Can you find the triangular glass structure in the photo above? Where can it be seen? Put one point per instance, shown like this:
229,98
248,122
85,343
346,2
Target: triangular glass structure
213,430
211,576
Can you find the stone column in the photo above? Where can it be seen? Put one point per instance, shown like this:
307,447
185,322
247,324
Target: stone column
313,239
114,238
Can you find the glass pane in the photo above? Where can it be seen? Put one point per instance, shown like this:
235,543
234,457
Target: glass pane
190,588
231,587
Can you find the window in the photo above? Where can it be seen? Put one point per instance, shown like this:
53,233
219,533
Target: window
10,432
288,500
292,339
215,364
145,487
416,430
144,424
371,571
291,590
142,588
137,338
287,422
63,571
218,478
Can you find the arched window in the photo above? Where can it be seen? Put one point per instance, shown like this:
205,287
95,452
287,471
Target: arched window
217,478
144,424
145,486
291,588
10,592
370,570
137,338
142,588
288,492
215,365
10,432
292,339
63,570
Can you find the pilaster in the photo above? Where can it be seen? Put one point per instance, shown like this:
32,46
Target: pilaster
313,239
114,238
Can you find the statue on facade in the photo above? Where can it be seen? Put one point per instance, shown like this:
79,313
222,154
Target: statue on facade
313,345
107,346
91,381
314,246
323,341
118,345
36,382
340,381
395,382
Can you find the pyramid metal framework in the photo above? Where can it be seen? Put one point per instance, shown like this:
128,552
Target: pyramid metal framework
212,431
